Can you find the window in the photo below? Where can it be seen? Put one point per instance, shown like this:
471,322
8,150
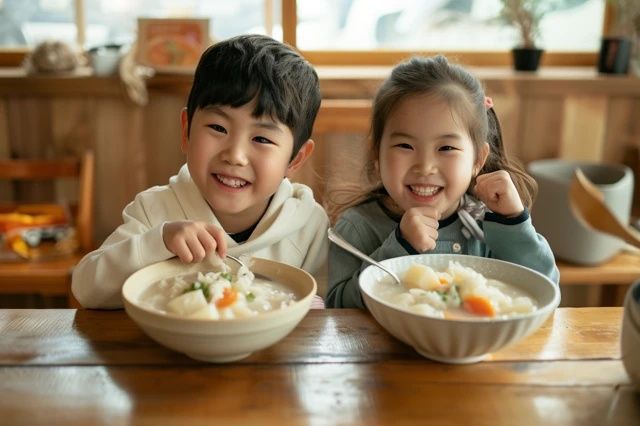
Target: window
440,25
326,31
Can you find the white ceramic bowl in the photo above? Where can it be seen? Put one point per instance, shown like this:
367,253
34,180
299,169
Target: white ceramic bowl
218,340
460,341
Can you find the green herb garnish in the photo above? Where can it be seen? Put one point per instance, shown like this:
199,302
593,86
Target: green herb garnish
226,275
250,297
199,286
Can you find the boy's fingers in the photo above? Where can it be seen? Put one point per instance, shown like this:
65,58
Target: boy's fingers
195,248
219,236
182,251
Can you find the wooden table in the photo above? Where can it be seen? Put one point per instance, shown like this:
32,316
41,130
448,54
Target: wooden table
78,367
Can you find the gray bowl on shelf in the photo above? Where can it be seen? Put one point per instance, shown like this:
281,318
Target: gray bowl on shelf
571,239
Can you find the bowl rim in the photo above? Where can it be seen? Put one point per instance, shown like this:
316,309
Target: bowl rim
130,303
543,310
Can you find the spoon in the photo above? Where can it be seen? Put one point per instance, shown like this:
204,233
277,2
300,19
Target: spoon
343,244
588,202
237,260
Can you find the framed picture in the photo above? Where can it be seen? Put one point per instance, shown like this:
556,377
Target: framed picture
172,45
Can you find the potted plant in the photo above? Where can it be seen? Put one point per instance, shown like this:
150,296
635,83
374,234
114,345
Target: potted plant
525,15
623,33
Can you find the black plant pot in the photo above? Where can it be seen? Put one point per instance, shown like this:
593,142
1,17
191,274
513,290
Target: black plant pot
615,53
526,59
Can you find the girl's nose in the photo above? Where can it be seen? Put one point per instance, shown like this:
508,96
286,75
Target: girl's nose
425,165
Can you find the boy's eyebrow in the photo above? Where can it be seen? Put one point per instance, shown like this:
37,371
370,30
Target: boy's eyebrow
260,122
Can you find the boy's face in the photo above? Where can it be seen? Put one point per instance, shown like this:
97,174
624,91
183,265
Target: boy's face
238,161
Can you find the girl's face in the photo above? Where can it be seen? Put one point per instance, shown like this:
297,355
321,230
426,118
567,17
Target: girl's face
427,157
238,161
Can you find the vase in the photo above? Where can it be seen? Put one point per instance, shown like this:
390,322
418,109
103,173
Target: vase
615,53
526,59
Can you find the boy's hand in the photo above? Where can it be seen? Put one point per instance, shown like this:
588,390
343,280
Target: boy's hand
497,191
193,241
419,226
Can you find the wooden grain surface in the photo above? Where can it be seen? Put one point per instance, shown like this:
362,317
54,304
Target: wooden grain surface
337,367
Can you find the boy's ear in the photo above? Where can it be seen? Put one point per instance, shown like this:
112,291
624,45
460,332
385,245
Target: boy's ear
483,154
184,133
305,151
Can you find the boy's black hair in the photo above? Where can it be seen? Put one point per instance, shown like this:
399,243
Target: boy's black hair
235,71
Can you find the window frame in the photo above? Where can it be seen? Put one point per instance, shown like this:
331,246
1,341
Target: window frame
15,56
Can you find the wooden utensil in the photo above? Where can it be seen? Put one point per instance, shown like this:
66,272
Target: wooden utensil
588,204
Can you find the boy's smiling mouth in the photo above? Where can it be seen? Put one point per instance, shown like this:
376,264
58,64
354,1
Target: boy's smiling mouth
424,190
230,182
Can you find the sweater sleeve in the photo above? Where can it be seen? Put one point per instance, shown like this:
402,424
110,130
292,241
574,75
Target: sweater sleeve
516,240
345,268
97,280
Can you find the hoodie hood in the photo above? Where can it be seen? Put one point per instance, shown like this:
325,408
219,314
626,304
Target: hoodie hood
290,207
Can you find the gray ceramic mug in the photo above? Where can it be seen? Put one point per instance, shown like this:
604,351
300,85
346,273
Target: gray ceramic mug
630,336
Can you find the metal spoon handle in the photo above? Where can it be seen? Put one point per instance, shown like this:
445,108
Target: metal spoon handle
237,260
343,244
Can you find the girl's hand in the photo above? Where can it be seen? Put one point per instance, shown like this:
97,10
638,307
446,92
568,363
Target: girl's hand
193,241
419,226
497,191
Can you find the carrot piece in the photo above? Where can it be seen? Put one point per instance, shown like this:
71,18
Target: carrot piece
479,306
229,296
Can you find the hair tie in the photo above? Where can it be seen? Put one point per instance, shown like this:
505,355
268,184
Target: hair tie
488,102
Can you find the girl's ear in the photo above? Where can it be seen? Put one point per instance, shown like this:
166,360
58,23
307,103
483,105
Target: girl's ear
184,133
305,151
483,154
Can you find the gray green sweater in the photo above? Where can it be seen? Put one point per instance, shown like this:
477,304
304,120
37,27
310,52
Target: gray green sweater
372,230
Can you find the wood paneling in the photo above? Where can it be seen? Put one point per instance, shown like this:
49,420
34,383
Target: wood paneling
557,112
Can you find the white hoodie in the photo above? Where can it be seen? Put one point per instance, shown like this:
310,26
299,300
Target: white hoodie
292,230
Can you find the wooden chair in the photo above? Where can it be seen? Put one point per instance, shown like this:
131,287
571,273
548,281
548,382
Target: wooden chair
52,276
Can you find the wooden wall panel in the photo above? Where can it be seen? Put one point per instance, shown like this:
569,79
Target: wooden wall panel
540,128
583,128
162,137
552,113
120,161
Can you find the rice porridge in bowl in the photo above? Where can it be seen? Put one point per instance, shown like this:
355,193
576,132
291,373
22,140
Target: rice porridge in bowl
215,314
221,294
458,292
455,308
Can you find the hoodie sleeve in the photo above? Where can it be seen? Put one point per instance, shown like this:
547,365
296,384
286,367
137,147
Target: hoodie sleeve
316,259
98,278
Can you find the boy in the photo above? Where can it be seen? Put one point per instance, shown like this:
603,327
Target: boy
245,129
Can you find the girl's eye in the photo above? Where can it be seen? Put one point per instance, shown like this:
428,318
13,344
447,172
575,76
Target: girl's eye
403,146
447,148
217,128
263,140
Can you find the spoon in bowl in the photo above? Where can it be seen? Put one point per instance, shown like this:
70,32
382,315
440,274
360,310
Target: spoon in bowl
343,244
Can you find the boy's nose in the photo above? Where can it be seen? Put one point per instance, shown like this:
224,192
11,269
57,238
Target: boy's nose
235,154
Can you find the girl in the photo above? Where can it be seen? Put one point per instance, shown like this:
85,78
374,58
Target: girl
441,181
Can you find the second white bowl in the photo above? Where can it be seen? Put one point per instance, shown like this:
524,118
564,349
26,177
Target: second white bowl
460,341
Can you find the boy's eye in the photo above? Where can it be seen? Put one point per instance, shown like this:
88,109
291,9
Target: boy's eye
263,140
217,128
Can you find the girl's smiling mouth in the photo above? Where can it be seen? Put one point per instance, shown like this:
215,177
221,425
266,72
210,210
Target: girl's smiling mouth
424,191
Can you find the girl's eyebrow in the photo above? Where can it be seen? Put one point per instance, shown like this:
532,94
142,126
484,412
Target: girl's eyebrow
398,134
